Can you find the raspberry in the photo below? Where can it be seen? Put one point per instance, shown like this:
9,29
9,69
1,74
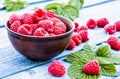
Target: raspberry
27,18
84,35
59,28
76,26
92,67
102,22
38,15
77,38
40,32
57,68
25,29
114,42
14,17
15,25
50,14
82,28
117,24
91,23
34,27
46,24
54,20
71,45
110,29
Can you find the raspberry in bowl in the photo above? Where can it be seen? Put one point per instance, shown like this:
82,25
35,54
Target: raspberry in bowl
41,35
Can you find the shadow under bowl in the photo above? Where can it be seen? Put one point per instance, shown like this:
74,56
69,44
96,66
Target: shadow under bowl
41,48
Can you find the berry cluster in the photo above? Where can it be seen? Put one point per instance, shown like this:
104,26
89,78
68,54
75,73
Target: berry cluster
104,23
80,35
39,23
113,41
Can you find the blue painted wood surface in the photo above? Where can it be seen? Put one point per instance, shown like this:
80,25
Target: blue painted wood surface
15,66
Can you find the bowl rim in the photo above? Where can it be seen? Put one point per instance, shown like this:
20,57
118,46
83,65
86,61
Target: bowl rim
68,20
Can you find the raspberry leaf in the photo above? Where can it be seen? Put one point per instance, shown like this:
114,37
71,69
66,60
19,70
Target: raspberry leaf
108,70
89,48
75,71
76,3
82,55
11,5
53,6
104,51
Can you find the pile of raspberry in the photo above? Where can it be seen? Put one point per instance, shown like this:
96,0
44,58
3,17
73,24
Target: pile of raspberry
40,23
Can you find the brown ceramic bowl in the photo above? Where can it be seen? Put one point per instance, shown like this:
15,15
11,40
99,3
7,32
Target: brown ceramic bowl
41,48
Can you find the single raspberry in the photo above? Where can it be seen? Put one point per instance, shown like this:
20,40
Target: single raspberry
76,26
76,37
50,14
59,28
102,22
117,24
57,68
27,18
84,35
110,29
54,20
14,17
46,24
40,32
92,67
34,27
82,28
38,15
15,25
71,45
91,23
114,42
25,29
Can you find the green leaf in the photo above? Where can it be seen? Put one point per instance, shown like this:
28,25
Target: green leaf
76,3
108,70
89,48
53,6
82,55
104,51
75,71
115,58
104,60
14,5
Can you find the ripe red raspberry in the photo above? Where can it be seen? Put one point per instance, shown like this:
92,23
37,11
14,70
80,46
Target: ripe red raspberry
102,22
117,24
40,32
76,26
25,29
57,68
46,24
54,20
14,17
15,25
59,28
84,35
82,28
71,45
27,18
76,37
38,15
92,67
91,23
34,27
50,14
114,42
110,29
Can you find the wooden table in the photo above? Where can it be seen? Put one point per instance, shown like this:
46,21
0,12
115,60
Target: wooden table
15,66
